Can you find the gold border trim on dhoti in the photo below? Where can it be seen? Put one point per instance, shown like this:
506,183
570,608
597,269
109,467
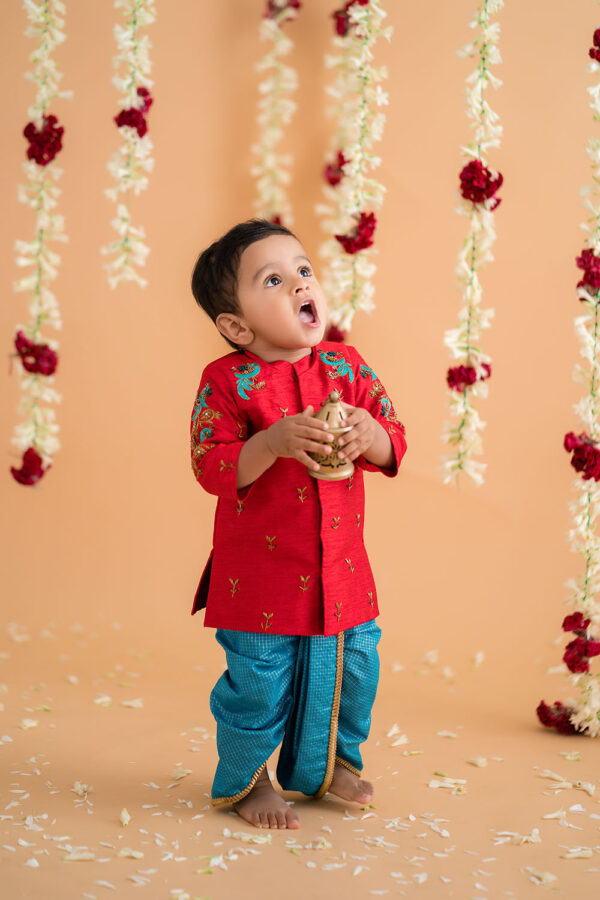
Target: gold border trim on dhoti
221,801
346,765
333,728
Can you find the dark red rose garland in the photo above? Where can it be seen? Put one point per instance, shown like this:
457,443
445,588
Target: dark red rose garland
582,715
275,110
131,163
37,358
479,186
352,193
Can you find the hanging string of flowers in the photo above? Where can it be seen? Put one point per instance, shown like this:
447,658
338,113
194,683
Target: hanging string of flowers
478,186
133,160
275,111
583,714
352,194
36,435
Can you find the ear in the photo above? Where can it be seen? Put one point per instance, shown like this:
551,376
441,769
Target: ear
234,329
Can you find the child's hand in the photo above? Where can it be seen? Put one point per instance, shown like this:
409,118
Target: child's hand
362,436
294,436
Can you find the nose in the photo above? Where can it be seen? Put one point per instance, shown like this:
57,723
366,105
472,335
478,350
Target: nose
300,286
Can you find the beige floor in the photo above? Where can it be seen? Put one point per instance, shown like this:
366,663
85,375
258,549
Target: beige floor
474,841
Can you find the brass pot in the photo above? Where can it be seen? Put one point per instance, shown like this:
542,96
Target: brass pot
332,468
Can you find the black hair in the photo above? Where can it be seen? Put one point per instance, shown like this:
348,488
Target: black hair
214,279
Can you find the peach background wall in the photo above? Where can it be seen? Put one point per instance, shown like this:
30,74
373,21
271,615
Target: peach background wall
118,528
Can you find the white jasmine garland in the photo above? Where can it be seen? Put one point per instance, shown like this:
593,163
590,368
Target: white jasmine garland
131,163
38,429
584,589
358,109
275,111
463,434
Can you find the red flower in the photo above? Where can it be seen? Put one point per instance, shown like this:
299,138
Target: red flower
478,183
586,456
274,7
592,649
333,171
575,655
342,19
556,716
31,468
135,116
575,622
335,334
276,220
591,269
148,100
595,50
37,358
44,144
361,236
460,377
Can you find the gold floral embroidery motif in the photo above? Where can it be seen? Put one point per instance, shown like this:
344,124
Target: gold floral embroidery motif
304,585
234,586
349,564
350,482
271,541
335,522
338,610
240,507
283,411
266,621
242,431
302,494
225,466
358,520
370,596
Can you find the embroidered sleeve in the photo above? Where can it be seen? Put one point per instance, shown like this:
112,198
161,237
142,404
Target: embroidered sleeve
371,395
218,433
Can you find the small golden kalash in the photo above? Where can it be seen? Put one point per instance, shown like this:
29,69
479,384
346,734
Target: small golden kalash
334,412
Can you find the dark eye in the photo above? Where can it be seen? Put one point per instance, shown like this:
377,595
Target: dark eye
273,280
305,270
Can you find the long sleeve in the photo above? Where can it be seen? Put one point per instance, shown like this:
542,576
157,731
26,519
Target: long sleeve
218,432
372,396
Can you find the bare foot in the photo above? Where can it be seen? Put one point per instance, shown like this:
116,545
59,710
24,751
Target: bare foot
264,808
350,787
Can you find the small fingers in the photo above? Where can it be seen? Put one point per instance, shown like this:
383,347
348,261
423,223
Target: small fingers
306,460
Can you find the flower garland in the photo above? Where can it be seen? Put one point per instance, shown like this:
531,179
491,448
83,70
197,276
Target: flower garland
582,716
478,188
36,435
133,160
275,110
352,194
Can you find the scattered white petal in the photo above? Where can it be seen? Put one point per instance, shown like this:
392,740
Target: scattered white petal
79,856
28,723
578,853
447,734
138,703
124,818
32,863
180,772
479,761
128,853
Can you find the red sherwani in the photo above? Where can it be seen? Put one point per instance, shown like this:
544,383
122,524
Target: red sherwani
288,554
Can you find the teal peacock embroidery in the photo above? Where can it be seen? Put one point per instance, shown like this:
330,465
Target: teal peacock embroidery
338,364
203,418
246,377
366,372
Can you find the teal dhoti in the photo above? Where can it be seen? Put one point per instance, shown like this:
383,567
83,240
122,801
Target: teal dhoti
311,694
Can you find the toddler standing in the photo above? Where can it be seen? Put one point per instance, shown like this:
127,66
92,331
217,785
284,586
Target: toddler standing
288,584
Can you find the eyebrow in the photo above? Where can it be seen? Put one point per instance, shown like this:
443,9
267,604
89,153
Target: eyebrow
270,265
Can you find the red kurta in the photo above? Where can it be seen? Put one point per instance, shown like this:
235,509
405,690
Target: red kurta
288,553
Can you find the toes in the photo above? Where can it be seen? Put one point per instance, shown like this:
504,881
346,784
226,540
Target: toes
272,818
281,820
292,820
263,819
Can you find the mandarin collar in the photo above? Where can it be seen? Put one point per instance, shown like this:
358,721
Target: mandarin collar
302,365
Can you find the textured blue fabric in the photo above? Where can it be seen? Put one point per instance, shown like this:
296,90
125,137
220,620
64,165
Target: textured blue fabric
281,688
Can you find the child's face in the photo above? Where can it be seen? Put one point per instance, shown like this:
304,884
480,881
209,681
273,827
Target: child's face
280,299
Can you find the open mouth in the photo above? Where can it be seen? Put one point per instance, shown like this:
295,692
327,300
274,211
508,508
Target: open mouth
308,313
